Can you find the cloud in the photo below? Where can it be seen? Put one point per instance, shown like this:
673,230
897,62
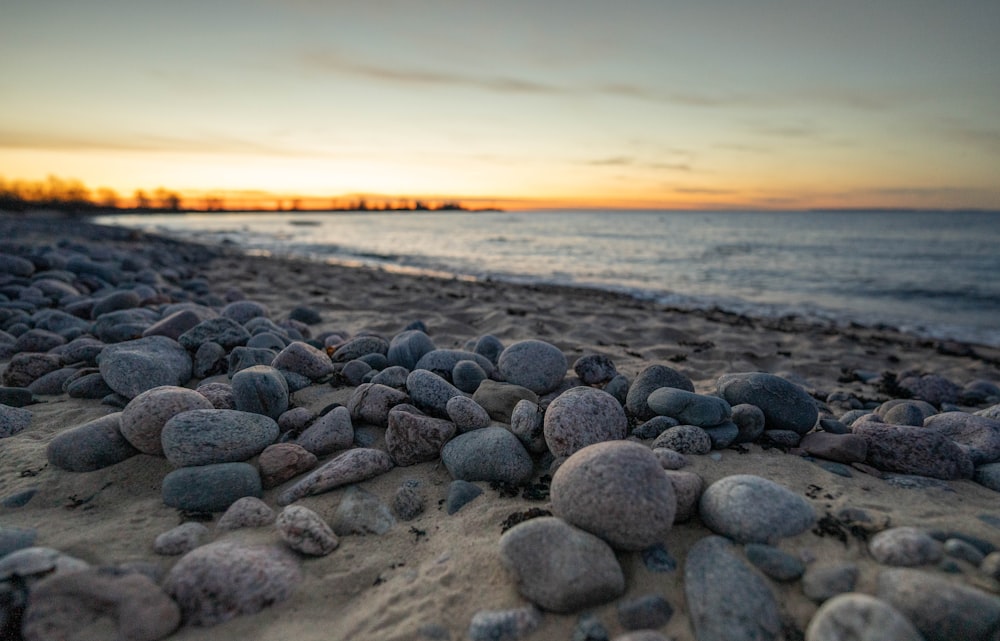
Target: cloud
704,191
629,161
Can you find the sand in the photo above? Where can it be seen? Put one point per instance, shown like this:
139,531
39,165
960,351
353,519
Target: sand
440,569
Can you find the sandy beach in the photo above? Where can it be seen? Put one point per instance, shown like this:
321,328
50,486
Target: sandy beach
428,577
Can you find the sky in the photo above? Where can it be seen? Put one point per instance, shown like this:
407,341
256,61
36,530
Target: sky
768,104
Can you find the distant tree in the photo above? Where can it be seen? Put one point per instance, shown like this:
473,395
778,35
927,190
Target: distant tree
107,197
141,199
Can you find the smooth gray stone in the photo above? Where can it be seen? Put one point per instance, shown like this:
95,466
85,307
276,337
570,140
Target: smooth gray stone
329,433
978,435
224,331
302,358
460,493
534,364
371,402
940,609
722,436
114,302
559,567
649,380
646,612
582,416
618,387
267,340
13,420
489,454
210,488
822,582
242,357
905,546
859,617
354,372
260,390
361,512
752,509
959,549
174,325
492,625
988,476
932,388
306,315
89,386
19,499
24,369
242,311
38,340
132,367
750,421
53,383
595,369
713,577
209,359
206,436
527,424
360,346
785,405
91,446
16,266
17,396
16,538
776,564
393,376
415,438
57,320
689,408
468,375
901,412
489,347
500,399
655,426
408,347
442,361
430,393
467,415
780,438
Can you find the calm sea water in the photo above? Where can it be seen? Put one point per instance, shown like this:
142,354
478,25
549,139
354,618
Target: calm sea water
933,273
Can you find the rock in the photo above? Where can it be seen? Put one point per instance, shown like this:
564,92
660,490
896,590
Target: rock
822,582
243,357
595,369
38,340
688,487
501,625
443,361
16,266
641,635
905,546
722,435
959,549
685,439
468,375
174,325
53,383
219,581
202,437
618,491
752,509
360,346
534,364
559,567
689,408
785,405
16,538
361,512
69,606
114,302
527,424
430,392
914,450
394,377
220,395
13,420
408,502
459,494
283,461
181,539
224,331
655,426
242,311
132,367
303,358
305,531
371,403
143,418
648,612
931,388
210,488
248,511
91,446
776,564
833,426
331,432
713,574
938,608
499,399
306,315
209,359
31,564
490,347
16,396
900,412
844,448
24,369
89,386
988,476
466,414
670,459
297,419
489,454
978,435
649,380
856,616
260,390
352,466
412,438
582,416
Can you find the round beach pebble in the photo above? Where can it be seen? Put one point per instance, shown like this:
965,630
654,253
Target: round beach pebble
348,467
224,331
132,367
92,446
649,380
466,414
527,424
371,402
582,416
500,399
202,437
559,567
689,408
282,461
331,432
210,488
618,491
492,625
24,369
408,347
684,439
242,311
940,609
302,358
595,369
786,406
752,509
467,376
688,487
430,392
181,539
860,617
220,395
219,581
145,415
905,546
14,420
305,531
415,438
534,364
248,511
260,389
489,454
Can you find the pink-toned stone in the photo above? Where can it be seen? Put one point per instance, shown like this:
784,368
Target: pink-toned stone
283,461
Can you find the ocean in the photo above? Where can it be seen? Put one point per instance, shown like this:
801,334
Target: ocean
935,274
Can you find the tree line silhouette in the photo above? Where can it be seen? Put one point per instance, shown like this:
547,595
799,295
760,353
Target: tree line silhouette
72,196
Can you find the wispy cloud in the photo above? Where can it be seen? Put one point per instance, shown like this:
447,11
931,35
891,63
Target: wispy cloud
630,161
704,191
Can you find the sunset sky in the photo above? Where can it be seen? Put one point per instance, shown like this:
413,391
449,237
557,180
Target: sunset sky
766,104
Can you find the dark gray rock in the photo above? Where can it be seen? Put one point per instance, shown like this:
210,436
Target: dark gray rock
752,509
858,616
468,375
685,439
24,369
17,396
90,385
205,436
412,438
649,380
654,427
713,574
91,446
582,416
13,420
306,315
776,564
132,367
38,340
443,361
297,419
595,369
260,390
494,625
534,364
559,567
224,331
16,538
174,325
489,454
785,405
16,266
243,357
408,347
210,488
689,408
932,388
723,435
460,493
354,372
646,612
371,402
489,347
822,582
220,395
360,346
618,387
499,399
209,359
242,311
114,302
394,376
903,412
302,358
750,421
268,340
940,609
914,450
988,476
978,435
618,491
430,392
688,487
845,448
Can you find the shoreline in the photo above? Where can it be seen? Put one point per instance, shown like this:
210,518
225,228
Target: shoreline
431,575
